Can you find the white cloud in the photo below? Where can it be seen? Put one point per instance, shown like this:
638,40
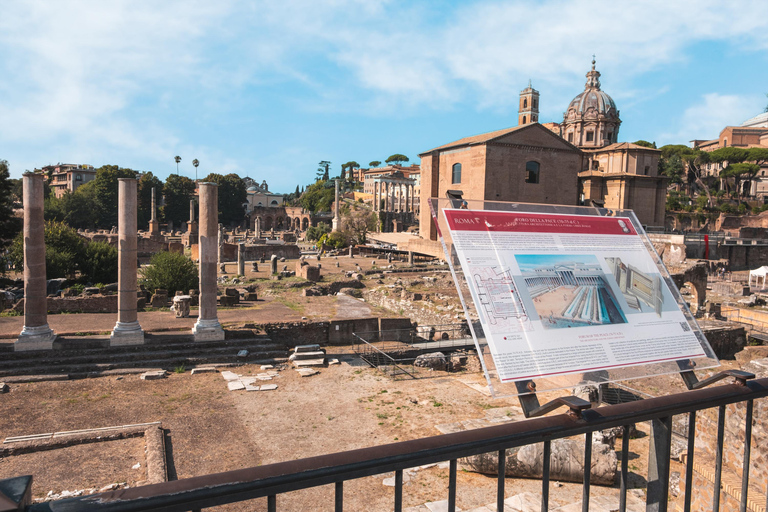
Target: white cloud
706,118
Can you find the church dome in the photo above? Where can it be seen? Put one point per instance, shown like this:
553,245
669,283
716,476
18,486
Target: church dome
592,119
592,97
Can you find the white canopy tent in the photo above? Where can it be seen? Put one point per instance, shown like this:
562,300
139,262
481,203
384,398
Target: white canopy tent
758,274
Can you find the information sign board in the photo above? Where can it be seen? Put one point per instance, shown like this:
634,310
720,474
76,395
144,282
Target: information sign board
558,294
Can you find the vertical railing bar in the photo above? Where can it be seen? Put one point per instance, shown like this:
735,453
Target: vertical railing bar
501,480
272,503
624,468
452,485
545,476
719,458
747,454
399,490
689,461
339,496
587,471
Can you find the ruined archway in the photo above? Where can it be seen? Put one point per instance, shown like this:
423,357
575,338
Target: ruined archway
693,280
304,224
267,223
279,224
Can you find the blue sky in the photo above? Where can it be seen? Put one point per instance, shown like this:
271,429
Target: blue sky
268,89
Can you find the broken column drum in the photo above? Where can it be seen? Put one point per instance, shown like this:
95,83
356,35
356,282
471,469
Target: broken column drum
207,326
273,264
127,330
36,335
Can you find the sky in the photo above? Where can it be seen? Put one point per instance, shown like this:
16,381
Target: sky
269,89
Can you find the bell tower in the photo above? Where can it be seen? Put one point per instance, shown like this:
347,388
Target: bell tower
529,106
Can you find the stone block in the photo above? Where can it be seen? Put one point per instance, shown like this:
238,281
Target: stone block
235,385
206,369
268,387
158,300
231,292
154,375
251,297
230,376
4,387
227,301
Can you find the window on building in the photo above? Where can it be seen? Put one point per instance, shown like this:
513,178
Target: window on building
456,174
525,103
646,170
274,203
610,136
535,103
532,172
78,177
590,136
570,137
525,120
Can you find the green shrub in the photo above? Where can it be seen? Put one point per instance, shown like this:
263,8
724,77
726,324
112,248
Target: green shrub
100,263
171,271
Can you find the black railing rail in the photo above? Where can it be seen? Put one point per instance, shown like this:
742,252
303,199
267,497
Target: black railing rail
273,479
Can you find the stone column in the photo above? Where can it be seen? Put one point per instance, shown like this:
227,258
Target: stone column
36,335
219,233
241,259
154,225
192,225
258,227
127,330
336,207
207,327
375,198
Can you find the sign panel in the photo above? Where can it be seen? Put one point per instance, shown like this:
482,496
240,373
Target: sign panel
559,294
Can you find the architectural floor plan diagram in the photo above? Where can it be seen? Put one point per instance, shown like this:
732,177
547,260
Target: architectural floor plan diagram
499,298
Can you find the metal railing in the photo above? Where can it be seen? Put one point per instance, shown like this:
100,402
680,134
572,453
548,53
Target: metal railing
271,480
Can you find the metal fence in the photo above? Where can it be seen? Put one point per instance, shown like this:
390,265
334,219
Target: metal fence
272,480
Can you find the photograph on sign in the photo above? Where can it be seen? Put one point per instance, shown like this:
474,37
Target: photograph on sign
569,294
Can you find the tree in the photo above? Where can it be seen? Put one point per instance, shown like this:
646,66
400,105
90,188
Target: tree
100,263
9,225
645,144
673,167
357,222
64,250
79,209
314,233
318,197
195,162
375,163
177,159
232,196
694,160
170,271
347,167
396,159
147,182
322,170
178,190
104,190
737,171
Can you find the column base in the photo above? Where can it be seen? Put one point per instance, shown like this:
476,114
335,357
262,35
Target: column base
208,330
126,333
35,338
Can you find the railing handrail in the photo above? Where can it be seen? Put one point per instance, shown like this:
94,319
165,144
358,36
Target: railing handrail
256,482
394,363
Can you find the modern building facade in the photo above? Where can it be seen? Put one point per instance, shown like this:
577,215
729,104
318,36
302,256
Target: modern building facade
64,178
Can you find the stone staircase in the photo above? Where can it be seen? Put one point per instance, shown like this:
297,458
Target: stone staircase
91,356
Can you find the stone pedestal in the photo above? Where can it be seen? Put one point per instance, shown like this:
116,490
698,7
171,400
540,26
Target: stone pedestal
127,330
207,327
36,335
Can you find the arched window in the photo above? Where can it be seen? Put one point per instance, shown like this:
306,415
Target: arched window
456,175
274,202
525,103
525,119
531,172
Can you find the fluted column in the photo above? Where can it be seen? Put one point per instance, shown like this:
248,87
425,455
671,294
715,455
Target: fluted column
127,331
207,327
36,335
